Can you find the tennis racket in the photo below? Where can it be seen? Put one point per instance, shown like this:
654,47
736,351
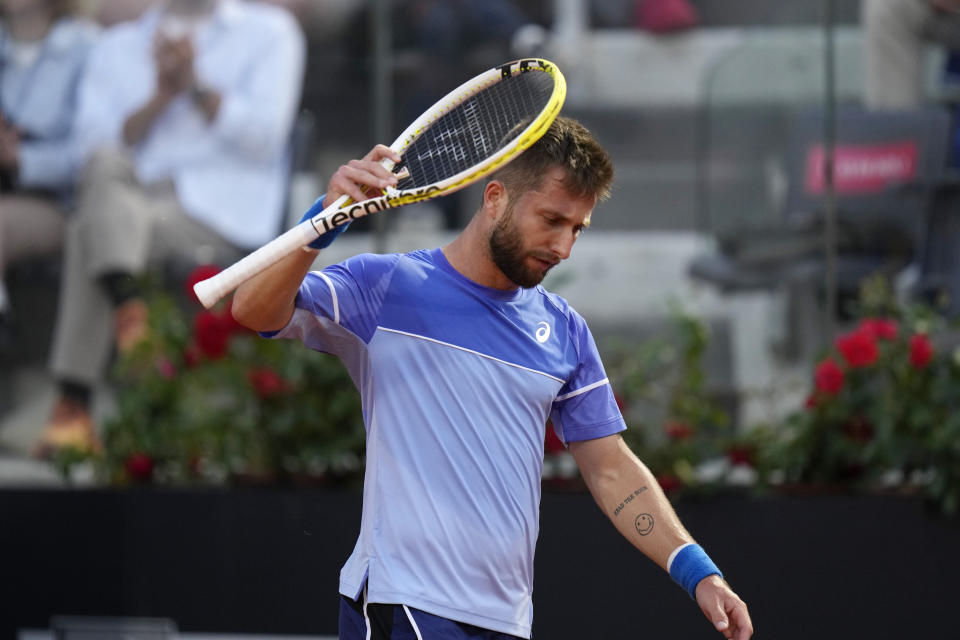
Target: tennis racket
468,134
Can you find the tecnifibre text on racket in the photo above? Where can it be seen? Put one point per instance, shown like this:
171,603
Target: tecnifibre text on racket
468,134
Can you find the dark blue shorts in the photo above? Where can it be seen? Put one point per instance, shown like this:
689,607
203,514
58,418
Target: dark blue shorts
399,622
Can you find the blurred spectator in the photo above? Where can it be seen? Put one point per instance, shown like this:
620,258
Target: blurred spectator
896,33
111,12
185,115
43,48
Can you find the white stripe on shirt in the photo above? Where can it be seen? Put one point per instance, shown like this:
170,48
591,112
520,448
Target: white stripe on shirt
476,353
333,296
589,387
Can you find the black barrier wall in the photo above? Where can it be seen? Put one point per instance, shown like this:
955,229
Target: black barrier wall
267,561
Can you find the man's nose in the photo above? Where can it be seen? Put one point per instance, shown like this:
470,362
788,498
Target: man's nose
562,244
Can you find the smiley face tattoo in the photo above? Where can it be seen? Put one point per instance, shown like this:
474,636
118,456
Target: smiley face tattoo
644,524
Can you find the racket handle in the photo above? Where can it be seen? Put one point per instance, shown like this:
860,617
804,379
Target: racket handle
212,290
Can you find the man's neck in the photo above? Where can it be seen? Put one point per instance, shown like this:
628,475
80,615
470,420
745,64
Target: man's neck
469,254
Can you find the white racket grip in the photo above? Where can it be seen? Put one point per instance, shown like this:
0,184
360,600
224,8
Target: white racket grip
212,290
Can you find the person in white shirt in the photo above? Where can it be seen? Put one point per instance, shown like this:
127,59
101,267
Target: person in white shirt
43,48
184,118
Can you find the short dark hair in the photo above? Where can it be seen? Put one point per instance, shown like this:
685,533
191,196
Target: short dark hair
566,144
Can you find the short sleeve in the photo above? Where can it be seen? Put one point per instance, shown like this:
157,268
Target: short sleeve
585,408
346,296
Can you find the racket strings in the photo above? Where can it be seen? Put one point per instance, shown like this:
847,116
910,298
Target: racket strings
476,129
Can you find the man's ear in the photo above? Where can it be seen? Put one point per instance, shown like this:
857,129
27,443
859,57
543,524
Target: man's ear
495,199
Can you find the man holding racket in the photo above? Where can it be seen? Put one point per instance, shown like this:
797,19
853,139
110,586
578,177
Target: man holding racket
461,357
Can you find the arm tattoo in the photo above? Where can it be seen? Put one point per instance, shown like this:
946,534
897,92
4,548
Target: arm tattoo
628,500
644,523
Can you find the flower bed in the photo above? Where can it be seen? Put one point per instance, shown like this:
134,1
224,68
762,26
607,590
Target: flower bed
883,413
204,400
883,410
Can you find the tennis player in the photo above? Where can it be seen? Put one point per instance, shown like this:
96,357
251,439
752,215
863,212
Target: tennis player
460,357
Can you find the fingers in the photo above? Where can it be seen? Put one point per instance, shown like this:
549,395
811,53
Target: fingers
730,617
725,610
740,624
718,617
174,59
358,178
381,152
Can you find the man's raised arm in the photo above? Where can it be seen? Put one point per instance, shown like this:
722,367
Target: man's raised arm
266,301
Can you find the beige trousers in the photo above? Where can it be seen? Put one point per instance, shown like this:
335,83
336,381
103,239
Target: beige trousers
896,33
120,226
30,225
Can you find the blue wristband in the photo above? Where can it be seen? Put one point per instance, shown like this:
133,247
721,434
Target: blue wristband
688,565
326,239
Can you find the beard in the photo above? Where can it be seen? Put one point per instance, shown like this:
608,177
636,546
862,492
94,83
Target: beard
509,254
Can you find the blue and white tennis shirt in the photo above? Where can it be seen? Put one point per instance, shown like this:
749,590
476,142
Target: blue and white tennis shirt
457,382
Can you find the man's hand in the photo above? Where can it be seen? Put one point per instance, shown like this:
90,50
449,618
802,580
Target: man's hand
174,60
357,179
361,178
724,608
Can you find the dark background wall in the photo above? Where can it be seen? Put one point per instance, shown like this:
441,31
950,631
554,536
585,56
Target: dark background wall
267,561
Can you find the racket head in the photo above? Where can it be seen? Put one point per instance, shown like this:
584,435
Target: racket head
466,135
477,128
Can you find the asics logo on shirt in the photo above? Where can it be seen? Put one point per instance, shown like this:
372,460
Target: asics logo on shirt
543,332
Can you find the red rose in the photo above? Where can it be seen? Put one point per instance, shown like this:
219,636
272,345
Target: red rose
678,430
267,383
669,482
740,456
858,348
190,357
879,328
551,443
921,351
211,334
139,466
828,377
198,274
230,325
621,403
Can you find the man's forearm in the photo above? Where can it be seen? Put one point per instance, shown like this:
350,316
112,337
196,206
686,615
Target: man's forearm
138,124
629,494
266,301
